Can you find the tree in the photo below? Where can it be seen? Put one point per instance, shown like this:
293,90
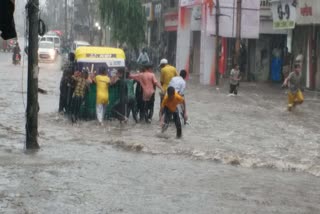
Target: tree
86,15
127,20
53,14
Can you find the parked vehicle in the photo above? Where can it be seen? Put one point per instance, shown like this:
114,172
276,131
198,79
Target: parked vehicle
54,39
47,52
7,45
16,59
77,44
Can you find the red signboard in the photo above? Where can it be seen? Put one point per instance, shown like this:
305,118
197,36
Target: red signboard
171,21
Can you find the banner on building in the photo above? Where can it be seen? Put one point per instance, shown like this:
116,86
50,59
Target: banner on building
171,21
308,12
157,11
188,3
250,19
284,13
149,11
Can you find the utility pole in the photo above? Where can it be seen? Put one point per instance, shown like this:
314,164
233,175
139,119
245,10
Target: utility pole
217,41
238,31
66,19
33,72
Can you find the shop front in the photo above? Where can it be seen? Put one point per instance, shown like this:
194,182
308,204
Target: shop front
267,53
196,45
306,41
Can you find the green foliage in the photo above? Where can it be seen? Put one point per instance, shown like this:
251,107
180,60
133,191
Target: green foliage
127,20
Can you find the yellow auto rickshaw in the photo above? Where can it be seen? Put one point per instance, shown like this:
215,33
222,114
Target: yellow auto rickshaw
92,59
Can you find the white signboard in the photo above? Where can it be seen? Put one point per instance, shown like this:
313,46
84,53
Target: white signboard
196,16
250,19
284,14
187,3
157,10
308,12
148,10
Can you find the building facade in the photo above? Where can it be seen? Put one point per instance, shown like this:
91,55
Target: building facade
306,40
197,44
161,29
266,54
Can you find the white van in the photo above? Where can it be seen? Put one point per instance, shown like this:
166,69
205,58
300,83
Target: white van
77,44
52,38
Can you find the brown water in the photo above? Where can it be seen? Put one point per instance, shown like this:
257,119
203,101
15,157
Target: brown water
241,154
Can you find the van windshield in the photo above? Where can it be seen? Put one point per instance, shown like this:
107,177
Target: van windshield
49,39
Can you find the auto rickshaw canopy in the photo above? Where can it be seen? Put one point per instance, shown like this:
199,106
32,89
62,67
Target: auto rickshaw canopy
113,57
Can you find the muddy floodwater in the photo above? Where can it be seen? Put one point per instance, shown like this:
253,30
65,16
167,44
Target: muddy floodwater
242,154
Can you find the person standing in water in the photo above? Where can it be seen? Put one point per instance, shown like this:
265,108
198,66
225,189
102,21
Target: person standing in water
143,57
78,94
169,110
103,82
234,80
293,81
148,82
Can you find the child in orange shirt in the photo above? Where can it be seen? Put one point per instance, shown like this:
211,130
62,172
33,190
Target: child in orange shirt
169,109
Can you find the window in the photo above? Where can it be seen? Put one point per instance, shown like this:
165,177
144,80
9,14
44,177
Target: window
173,3
56,41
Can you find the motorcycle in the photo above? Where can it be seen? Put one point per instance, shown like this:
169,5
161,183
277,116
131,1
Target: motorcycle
16,59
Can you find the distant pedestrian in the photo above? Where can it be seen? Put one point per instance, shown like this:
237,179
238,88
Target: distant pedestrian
293,81
234,80
143,58
299,58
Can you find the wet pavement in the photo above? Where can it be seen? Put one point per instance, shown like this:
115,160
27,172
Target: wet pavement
243,154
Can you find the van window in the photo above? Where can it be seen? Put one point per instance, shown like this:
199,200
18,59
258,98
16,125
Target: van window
43,39
49,39
56,41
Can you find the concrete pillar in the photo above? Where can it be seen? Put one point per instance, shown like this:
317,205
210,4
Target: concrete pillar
289,41
207,53
183,40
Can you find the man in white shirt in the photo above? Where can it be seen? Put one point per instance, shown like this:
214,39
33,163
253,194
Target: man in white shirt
179,82
143,57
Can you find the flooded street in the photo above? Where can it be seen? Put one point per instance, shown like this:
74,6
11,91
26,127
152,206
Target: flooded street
243,154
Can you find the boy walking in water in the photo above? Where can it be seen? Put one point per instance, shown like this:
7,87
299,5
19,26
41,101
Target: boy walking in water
169,109
293,81
234,80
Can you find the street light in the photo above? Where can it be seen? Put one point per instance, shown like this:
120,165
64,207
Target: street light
97,24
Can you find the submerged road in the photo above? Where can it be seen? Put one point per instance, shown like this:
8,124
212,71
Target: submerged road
241,154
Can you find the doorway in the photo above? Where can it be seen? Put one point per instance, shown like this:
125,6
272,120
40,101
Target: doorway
195,52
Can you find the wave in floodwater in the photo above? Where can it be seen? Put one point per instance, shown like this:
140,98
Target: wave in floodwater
135,138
